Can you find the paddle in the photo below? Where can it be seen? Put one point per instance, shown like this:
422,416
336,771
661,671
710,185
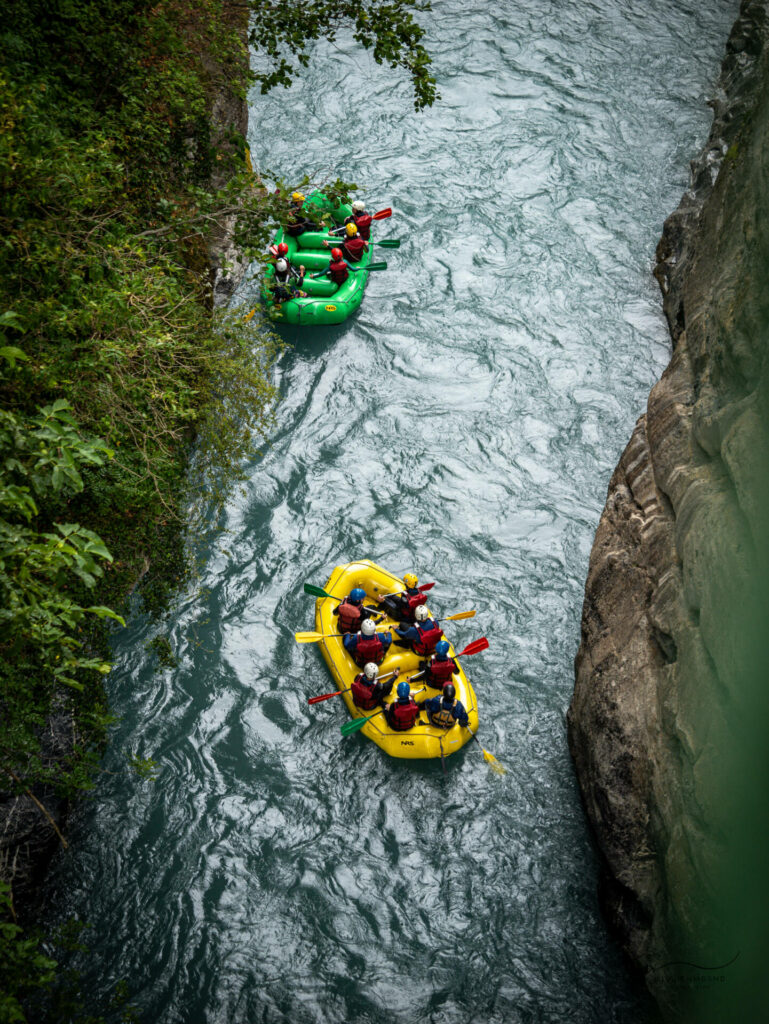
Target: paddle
309,588
388,243
422,590
313,638
472,648
489,758
382,214
327,696
371,266
357,723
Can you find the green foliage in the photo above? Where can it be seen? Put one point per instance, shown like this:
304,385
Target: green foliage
386,28
161,646
113,183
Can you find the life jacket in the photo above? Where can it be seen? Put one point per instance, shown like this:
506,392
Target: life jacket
414,600
350,617
353,248
338,272
402,716
363,695
363,224
369,648
444,717
440,672
283,277
428,637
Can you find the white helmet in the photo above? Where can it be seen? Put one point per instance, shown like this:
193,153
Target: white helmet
358,206
370,670
368,628
281,265
421,613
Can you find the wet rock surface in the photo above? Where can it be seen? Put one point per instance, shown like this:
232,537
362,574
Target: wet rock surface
667,619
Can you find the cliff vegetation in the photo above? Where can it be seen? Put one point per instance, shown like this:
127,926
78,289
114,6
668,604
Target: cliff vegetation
121,180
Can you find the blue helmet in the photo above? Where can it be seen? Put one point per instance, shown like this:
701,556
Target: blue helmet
403,689
442,648
357,595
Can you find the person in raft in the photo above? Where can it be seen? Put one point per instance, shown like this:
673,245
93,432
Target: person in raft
423,635
298,222
279,252
445,709
369,689
287,282
338,270
403,712
351,611
359,218
439,670
353,245
403,605
367,645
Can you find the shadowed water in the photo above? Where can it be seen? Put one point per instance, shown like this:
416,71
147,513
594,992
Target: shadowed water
464,425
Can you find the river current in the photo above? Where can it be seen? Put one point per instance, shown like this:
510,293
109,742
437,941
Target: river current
464,425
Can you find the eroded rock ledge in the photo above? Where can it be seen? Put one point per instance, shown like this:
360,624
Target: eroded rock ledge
668,619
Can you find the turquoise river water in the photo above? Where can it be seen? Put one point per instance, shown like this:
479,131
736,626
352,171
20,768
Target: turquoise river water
463,425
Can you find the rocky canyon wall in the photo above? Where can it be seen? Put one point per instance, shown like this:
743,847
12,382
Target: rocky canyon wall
666,697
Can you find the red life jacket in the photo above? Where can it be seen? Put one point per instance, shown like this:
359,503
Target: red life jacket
402,716
338,272
440,672
353,248
350,617
414,600
369,648
428,638
363,694
363,224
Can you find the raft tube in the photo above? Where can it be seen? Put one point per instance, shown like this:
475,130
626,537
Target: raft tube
424,741
326,302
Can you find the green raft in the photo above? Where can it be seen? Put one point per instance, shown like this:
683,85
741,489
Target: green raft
326,302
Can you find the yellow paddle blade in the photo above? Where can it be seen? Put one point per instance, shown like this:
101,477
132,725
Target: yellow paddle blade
495,765
460,615
307,638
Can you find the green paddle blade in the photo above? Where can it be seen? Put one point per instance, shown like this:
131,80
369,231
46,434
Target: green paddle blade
389,243
371,266
316,591
357,723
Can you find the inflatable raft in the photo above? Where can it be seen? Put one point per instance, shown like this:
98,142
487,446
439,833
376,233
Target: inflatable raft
326,302
424,740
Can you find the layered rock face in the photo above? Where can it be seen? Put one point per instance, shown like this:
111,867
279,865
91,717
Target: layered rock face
671,617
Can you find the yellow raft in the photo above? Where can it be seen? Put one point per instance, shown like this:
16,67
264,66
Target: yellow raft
424,740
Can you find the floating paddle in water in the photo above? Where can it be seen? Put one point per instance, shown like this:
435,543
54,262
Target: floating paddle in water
357,723
489,758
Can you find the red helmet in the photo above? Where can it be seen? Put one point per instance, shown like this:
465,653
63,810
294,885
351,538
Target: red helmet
282,249
337,254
